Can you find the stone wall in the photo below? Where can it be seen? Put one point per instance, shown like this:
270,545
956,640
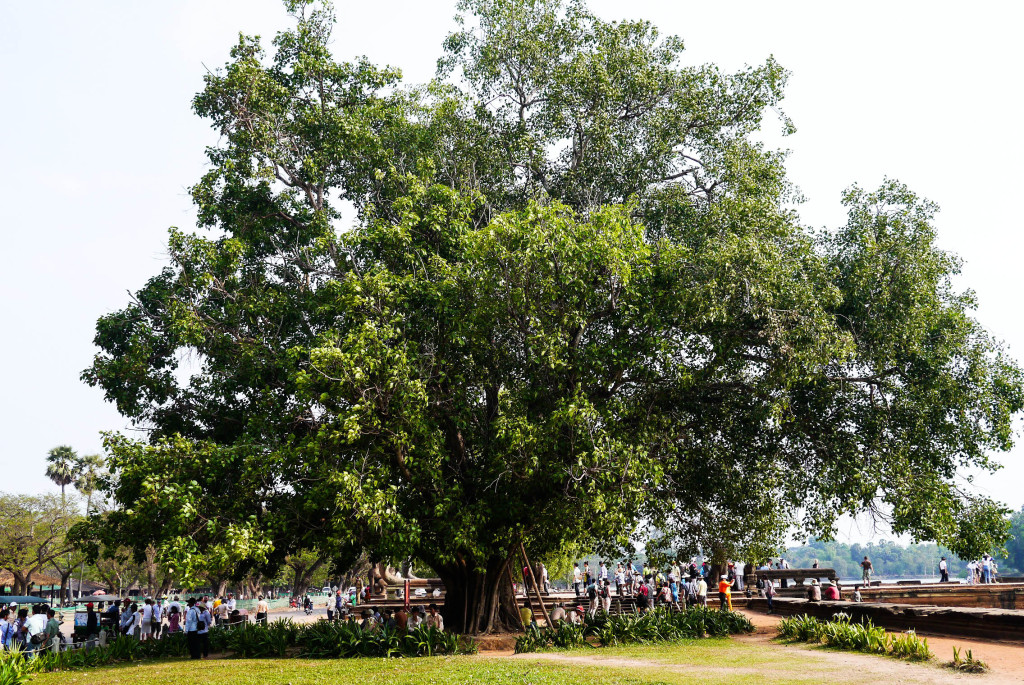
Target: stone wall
991,624
992,596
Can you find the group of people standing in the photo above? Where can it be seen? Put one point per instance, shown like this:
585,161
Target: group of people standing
677,585
28,632
982,571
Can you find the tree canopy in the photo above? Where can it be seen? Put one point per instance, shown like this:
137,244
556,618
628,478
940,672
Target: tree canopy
576,304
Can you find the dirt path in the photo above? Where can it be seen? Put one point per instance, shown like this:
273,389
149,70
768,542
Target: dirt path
1004,658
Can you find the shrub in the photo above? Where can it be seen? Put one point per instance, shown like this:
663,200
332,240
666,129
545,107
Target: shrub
841,633
660,625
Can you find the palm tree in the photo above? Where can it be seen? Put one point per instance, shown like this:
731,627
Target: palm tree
63,467
90,468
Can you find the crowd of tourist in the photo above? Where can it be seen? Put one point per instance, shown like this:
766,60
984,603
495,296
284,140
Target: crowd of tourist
28,630
980,571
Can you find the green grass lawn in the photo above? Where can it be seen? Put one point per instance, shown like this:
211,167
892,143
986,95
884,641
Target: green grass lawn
722,661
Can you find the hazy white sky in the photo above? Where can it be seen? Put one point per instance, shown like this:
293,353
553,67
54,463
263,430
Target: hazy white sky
99,146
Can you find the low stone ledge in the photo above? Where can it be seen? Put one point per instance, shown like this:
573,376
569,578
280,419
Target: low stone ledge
989,624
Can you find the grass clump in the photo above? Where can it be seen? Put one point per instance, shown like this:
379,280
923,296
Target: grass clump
841,633
964,662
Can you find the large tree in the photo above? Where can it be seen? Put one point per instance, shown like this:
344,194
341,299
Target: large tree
576,305
34,534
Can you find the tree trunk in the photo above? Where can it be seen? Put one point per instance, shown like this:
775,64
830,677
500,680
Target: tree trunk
20,583
477,601
64,577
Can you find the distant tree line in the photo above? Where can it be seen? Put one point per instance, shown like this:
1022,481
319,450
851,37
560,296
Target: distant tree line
891,559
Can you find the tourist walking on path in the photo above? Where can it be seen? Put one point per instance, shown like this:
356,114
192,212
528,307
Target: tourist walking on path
577,579
866,566
769,593
943,571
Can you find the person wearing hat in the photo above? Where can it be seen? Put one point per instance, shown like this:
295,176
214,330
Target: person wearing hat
92,620
814,591
831,592
943,570
193,619
724,593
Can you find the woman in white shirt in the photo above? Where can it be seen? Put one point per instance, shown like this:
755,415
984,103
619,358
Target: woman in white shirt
145,621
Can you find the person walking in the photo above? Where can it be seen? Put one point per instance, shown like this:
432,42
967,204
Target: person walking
769,594
866,568
943,571
577,579
724,593
592,595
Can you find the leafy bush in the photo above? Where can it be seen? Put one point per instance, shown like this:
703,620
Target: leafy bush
278,639
841,633
659,625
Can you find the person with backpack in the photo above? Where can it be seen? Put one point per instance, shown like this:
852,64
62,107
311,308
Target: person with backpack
125,618
606,596
592,596
203,627
643,597
35,629
193,620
